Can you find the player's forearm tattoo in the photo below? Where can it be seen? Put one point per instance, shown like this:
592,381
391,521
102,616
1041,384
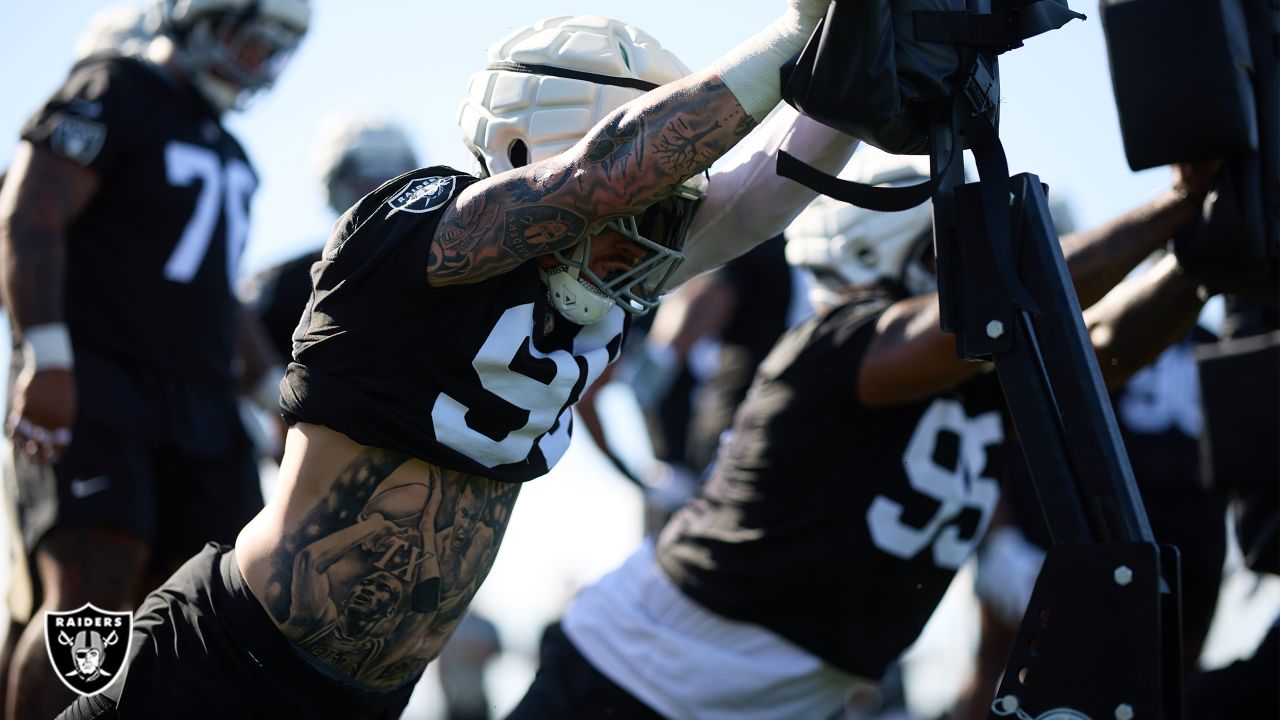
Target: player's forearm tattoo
617,146
533,230
1098,259
690,130
458,234
460,249
33,246
634,158
380,571
678,146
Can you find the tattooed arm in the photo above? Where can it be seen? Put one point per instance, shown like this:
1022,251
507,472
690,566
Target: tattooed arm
1100,258
911,357
628,161
43,194
635,156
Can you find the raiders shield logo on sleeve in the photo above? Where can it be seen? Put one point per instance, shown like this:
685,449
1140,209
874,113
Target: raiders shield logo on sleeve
78,138
88,646
423,194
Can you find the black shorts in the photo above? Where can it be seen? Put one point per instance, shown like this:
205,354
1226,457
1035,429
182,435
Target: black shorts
569,687
111,477
203,647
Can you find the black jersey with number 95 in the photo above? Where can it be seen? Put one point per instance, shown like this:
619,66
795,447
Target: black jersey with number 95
836,525
150,261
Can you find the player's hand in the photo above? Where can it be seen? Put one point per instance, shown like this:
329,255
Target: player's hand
44,410
1195,180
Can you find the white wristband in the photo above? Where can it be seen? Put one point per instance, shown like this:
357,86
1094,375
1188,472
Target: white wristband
47,347
750,70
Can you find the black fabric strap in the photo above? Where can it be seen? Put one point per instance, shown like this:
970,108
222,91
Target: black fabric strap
871,197
1004,30
993,171
534,69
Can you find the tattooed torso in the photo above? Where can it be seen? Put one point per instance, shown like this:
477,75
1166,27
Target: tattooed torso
366,559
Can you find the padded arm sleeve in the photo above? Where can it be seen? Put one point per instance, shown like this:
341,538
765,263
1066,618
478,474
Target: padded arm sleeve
747,201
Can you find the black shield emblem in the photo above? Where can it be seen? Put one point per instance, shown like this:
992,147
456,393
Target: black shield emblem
88,646
423,195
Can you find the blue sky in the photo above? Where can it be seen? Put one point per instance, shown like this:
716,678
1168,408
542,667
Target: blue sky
411,59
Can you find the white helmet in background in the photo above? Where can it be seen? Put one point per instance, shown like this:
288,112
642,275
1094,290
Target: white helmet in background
843,245
121,29
545,87
356,154
233,49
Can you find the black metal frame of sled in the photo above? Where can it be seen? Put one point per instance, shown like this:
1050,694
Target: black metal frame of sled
1101,638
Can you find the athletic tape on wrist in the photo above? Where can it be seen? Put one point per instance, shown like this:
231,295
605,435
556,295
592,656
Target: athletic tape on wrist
750,70
47,347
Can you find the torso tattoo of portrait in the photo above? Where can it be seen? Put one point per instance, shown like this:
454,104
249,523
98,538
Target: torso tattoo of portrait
374,578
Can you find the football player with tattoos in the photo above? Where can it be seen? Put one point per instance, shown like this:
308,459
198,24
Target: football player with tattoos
122,222
862,469
453,322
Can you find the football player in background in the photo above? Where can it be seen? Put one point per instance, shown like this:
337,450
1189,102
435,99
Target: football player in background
691,367
121,30
121,224
354,155
452,322
862,470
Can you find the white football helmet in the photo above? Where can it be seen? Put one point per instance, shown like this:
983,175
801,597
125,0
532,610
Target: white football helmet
546,86
122,29
356,154
842,245
233,49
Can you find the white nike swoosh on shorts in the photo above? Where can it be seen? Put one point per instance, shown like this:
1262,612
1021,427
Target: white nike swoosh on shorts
84,488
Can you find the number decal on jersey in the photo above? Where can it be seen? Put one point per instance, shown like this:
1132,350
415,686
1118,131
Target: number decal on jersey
1164,395
540,384
230,186
951,489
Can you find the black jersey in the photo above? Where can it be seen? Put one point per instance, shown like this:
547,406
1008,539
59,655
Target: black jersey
762,289
278,295
1158,413
839,526
149,262
475,378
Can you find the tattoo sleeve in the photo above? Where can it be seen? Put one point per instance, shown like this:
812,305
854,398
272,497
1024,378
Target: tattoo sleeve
1098,259
629,161
42,195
